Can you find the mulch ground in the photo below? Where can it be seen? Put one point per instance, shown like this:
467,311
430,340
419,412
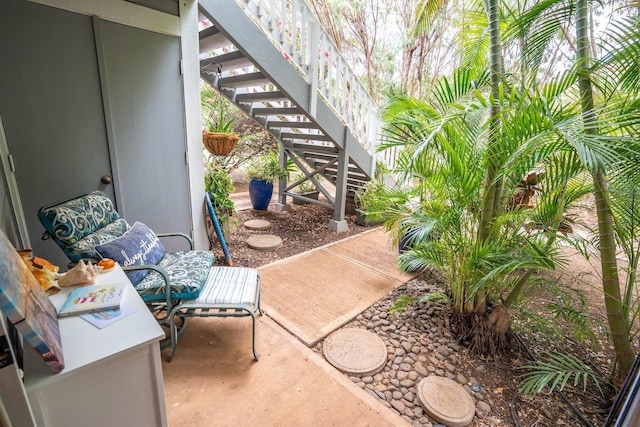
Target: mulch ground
302,228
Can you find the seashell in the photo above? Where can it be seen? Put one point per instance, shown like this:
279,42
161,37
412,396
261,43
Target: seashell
44,272
82,274
47,280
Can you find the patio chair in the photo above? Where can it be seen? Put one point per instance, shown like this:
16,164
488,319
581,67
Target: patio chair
179,284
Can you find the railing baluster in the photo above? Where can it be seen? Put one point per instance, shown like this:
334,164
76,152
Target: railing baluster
283,22
295,30
313,68
324,67
272,16
304,23
339,92
260,9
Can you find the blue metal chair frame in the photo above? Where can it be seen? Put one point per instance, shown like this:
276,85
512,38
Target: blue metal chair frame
216,225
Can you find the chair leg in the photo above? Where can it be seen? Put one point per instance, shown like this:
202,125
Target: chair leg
258,299
174,333
256,356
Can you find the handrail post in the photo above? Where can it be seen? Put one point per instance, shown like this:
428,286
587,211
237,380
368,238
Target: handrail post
282,183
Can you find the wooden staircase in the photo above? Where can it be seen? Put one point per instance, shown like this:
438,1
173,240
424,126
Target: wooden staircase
273,60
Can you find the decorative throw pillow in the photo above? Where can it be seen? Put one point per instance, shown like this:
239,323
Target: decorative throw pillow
138,246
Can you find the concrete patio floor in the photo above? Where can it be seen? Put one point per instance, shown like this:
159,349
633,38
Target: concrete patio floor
214,381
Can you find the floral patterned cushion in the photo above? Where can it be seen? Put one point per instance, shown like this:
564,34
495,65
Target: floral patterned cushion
187,270
68,223
85,248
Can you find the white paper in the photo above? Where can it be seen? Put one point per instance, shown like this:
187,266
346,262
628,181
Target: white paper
103,319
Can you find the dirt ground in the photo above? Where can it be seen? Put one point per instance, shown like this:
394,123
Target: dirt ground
539,331
302,228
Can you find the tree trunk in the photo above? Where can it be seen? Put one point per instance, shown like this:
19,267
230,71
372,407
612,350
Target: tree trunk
610,279
492,186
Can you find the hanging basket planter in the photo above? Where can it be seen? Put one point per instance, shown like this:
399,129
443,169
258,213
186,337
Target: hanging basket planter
220,144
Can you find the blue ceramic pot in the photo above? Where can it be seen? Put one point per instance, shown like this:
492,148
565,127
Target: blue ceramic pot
260,192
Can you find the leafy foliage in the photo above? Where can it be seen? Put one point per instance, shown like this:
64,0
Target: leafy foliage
267,167
565,308
555,372
536,324
219,185
405,301
218,114
220,124
443,162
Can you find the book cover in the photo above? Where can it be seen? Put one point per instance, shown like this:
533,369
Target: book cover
92,299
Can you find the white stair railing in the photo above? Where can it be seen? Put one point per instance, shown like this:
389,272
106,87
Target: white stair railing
294,28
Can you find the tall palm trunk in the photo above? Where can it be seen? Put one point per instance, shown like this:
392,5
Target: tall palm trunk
493,187
610,279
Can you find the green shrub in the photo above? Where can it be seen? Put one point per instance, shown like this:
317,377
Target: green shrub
219,185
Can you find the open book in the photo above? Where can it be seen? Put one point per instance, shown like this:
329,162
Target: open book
92,299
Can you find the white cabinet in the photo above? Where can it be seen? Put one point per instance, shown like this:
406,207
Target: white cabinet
112,376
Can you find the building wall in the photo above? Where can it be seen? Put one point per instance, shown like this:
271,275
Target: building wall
184,26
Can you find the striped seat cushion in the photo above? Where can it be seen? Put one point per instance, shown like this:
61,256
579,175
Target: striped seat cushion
229,285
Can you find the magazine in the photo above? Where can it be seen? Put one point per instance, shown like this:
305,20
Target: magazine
92,299
105,318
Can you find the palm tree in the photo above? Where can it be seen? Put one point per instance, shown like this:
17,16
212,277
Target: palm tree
446,147
603,145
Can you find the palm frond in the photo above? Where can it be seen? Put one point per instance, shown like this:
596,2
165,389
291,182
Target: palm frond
402,303
619,65
425,13
580,321
473,43
538,26
555,372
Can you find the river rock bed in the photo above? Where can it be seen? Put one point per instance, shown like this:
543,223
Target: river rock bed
418,345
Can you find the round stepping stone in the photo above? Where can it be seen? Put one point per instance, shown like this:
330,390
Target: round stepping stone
264,242
257,224
446,401
355,351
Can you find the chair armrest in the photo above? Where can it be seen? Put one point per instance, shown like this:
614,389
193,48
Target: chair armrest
186,236
161,271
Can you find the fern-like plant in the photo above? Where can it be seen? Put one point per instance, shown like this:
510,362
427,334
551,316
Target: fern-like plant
555,372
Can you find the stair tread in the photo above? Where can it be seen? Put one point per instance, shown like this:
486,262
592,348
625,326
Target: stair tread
211,39
227,61
244,80
277,111
309,149
313,137
291,124
261,96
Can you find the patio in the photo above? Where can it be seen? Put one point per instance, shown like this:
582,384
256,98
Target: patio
213,379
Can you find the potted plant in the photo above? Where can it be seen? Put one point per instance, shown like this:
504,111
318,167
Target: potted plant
218,136
219,185
262,172
306,189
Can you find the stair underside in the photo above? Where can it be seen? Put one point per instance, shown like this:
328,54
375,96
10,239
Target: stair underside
225,67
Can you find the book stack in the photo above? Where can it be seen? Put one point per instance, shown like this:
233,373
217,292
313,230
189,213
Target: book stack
92,299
